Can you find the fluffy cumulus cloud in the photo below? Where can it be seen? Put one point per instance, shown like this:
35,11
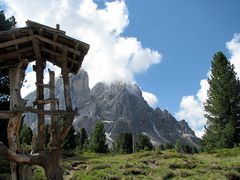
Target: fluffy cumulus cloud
150,98
192,110
234,48
191,107
112,56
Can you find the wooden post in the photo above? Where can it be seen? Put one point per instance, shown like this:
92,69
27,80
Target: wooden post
68,103
54,130
16,76
39,68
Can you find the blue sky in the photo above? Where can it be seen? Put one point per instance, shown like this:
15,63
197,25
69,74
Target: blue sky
165,46
187,33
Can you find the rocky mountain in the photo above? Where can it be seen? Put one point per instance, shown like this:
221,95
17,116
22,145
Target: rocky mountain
122,108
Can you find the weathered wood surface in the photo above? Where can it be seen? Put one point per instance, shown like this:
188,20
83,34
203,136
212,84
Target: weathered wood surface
39,68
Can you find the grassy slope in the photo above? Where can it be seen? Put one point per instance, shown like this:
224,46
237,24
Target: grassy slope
221,164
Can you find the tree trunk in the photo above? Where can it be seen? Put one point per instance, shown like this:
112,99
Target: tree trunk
53,167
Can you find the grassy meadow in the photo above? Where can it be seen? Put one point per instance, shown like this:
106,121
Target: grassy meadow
155,165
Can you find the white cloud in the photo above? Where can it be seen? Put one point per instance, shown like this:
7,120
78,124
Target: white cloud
200,133
150,98
234,48
112,56
191,107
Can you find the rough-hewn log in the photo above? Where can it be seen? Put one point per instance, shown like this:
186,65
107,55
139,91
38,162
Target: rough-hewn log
46,101
39,68
33,159
54,129
5,115
47,112
16,77
68,103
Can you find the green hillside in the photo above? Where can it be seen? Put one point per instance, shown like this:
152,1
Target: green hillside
220,164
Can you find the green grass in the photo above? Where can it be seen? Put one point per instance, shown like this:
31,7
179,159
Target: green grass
151,165
220,164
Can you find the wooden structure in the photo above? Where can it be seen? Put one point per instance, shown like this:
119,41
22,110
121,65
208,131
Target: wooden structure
40,43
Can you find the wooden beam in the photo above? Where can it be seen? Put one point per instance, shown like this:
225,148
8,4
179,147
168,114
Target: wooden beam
49,41
42,85
50,51
29,109
46,112
46,101
16,41
14,54
5,115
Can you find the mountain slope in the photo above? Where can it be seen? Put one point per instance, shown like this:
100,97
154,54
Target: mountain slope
122,108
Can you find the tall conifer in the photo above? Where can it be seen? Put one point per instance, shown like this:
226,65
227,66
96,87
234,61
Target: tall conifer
223,105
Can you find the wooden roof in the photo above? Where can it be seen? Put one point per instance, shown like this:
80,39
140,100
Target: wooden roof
19,43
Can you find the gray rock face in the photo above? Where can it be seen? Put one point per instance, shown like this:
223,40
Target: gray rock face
121,107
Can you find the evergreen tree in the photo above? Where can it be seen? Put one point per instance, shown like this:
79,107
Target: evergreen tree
97,141
47,135
222,106
143,143
168,146
26,135
5,24
82,138
70,140
124,143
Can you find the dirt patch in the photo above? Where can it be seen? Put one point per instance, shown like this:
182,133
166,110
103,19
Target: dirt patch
232,176
134,171
77,163
169,175
182,166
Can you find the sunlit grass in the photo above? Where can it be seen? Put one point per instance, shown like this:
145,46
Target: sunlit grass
169,164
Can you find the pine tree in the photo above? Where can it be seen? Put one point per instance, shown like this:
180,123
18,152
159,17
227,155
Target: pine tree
97,141
124,143
5,24
47,135
223,105
82,138
143,143
26,135
70,140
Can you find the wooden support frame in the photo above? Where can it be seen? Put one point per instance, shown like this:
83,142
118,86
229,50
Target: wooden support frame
39,43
